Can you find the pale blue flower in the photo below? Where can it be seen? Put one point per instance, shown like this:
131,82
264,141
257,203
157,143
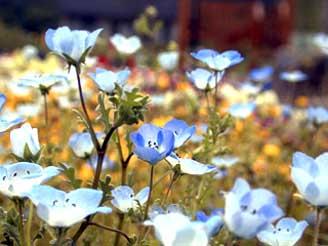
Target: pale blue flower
310,177
182,132
107,163
248,211
126,45
41,81
107,80
285,233
82,145
225,161
73,45
152,143
189,166
7,122
218,61
168,60
262,74
317,115
18,178
321,40
213,222
250,88
125,200
204,79
242,110
173,228
60,209
293,76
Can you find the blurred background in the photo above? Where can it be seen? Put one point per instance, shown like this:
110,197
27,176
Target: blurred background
275,32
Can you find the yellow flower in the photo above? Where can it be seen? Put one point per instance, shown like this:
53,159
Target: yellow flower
271,150
302,101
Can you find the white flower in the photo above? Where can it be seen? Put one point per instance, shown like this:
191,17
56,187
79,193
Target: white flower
293,76
225,161
124,198
7,122
203,79
41,81
22,137
176,229
168,60
71,44
126,45
321,40
242,110
18,178
106,80
60,209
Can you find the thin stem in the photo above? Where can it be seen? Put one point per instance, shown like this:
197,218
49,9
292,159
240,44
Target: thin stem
120,227
173,179
216,89
29,224
123,234
46,114
317,226
208,102
20,207
161,178
151,180
60,236
91,130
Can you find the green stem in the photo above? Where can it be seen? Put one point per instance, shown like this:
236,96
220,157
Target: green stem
151,180
121,233
20,207
46,114
216,90
120,228
29,224
318,212
173,179
60,236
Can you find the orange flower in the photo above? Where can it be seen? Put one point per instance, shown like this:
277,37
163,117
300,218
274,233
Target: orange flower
271,150
302,101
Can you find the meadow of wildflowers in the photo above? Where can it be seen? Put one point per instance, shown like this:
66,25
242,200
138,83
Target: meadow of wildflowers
150,155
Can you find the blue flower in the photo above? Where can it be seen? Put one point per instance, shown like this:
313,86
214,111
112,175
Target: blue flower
204,79
189,166
310,177
107,80
152,143
182,132
286,232
18,178
242,110
82,145
42,81
5,122
293,76
72,45
124,198
213,223
262,74
218,61
168,60
317,115
60,209
124,45
107,163
248,211
173,228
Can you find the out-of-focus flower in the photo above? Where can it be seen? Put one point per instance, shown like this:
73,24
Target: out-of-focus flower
203,79
182,132
293,76
286,232
73,45
248,211
168,60
19,178
310,177
321,40
271,150
242,110
107,163
262,74
25,142
124,198
225,161
5,122
43,82
82,145
107,80
152,143
302,101
189,166
30,51
124,45
60,209
213,222
176,229
317,115
250,88
218,61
